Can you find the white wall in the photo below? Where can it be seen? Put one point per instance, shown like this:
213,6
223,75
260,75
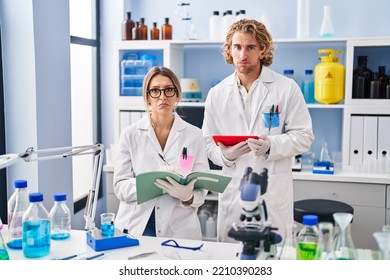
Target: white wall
351,18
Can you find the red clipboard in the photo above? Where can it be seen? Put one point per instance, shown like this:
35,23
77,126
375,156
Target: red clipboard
231,140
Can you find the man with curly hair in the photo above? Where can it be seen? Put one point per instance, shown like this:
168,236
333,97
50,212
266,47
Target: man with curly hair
255,100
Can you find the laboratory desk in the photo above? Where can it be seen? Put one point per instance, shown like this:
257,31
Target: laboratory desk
148,248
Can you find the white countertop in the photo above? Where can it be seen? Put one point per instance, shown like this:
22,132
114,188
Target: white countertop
77,245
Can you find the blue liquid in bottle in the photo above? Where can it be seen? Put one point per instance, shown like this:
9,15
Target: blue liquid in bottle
308,87
36,238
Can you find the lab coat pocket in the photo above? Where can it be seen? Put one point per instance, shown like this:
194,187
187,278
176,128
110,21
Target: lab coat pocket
271,120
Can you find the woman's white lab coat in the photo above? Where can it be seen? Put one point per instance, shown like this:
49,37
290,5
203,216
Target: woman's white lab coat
139,152
225,115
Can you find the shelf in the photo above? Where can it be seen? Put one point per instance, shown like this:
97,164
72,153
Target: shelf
343,176
323,106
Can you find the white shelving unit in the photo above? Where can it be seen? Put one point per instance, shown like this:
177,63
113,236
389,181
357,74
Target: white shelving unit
203,59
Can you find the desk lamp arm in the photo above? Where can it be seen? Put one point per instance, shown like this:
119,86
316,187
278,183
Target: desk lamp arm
97,150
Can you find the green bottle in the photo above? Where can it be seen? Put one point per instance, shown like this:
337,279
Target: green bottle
307,238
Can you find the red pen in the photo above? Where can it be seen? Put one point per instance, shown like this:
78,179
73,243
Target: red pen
277,110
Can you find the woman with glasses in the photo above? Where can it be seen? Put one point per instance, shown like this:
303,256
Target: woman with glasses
153,143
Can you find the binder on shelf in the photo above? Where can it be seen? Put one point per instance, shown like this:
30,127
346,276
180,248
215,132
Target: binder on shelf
356,141
383,138
370,139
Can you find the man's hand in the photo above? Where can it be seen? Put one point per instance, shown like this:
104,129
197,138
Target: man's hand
174,189
259,146
233,152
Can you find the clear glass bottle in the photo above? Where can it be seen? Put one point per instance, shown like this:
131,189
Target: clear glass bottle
154,32
127,27
17,206
289,73
327,30
308,86
307,238
166,30
36,228
3,248
325,241
60,218
343,246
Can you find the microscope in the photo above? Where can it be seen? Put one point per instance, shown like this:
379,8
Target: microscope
258,237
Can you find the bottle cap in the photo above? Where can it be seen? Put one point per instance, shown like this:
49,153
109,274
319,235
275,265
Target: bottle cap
36,197
60,197
20,184
288,72
308,71
310,220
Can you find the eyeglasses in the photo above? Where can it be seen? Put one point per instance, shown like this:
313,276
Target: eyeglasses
173,243
156,92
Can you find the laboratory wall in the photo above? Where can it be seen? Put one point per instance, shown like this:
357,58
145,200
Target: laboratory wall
351,18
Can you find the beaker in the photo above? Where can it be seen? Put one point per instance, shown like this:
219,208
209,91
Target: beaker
343,247
383,240
290,242
324,248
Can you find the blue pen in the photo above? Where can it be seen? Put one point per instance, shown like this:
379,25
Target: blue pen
69,257
95,256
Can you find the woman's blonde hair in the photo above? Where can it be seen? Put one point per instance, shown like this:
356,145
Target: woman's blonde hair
259,33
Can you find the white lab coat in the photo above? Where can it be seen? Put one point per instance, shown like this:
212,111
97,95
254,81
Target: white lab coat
225,115
138,153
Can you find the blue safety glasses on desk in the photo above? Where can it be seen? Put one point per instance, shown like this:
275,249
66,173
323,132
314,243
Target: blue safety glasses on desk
174,244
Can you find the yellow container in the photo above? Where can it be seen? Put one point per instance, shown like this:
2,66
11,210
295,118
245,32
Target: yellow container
329,78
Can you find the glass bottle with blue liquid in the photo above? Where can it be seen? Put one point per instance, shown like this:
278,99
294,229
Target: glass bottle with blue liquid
308,86
17,206
60,218
36,228
3,249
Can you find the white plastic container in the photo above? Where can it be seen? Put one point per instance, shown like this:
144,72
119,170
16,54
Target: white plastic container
227,20
215,26
303,18
210,228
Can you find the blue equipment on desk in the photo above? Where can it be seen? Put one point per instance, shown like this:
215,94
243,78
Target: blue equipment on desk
323,167
324,164
258,237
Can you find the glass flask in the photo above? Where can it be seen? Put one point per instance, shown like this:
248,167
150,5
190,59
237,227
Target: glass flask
324,247
383,240
290,243
343,246
324,155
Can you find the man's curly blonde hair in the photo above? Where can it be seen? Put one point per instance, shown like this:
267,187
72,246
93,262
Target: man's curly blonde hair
259,33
